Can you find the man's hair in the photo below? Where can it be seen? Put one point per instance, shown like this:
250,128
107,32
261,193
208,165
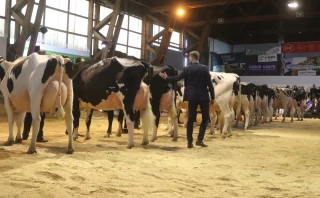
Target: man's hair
42,52
195,55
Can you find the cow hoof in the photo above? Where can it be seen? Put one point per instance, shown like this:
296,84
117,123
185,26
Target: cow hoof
31,151
87,138
130,146
171,134
153,139
108,135
175,139
211,132
145,142
8,143
70,151
18,140
75,138
118,135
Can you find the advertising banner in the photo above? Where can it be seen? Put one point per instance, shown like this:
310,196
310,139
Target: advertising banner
300,47
267,58
229,58
265,67
300,66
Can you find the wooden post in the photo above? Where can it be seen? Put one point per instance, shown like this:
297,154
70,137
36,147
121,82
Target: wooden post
109,36
205,32
90,27
116,35
36,26
145,36
96,19
7,21
165,42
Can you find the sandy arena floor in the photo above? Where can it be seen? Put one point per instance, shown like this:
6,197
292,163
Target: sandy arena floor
270,160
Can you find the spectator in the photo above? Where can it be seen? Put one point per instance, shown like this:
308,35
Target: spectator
315,108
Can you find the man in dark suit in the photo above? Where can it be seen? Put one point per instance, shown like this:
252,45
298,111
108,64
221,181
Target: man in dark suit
197,79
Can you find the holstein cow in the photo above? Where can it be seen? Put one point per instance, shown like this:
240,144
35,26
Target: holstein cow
261,110
113,83
283,100
248,91
38,83
163,98
299,102
224,86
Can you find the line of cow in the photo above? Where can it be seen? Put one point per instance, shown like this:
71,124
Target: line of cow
51,83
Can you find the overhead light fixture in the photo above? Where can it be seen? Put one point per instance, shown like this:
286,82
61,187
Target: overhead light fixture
180,12
293,5
299,32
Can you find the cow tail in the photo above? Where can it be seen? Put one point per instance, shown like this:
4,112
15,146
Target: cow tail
60,111
239,93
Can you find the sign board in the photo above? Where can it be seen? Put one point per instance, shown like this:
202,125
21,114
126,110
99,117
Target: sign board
300,47
307,73
228,58
267,58
263,67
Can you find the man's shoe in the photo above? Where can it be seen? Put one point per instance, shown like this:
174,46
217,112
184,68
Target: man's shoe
42,140
190,145
198,143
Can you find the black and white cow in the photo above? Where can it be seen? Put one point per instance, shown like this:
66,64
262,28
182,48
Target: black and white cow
283,99
248,91
111,84
299,99
37,83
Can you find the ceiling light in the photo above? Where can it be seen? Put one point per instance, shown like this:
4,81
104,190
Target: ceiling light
293,5
180,12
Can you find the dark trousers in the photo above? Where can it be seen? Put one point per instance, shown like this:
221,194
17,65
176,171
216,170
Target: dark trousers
28,123
192,113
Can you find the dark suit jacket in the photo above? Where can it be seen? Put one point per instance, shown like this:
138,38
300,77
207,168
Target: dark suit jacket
196,79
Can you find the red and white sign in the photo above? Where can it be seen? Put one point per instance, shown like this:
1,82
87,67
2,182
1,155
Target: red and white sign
300,47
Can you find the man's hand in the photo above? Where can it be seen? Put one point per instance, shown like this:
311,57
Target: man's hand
211,102
163,75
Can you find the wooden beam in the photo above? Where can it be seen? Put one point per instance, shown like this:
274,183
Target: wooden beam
96,21
7,21
18,46
19,5
146,25
36,26
165,41
192,47
155,37
198,4
116,35
241,10
104,22
107,3
90,27
205,33
156,20
109,36
151,49
99,36
255,19
194,35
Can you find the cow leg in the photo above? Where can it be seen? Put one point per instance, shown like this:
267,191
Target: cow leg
76,115
230,125
238,114
19,121
137,120
110,119
174,118
227,118
247,116
68,108
213,116
284,114
292,112
120,122
156,124
147,122
170,125
10,121
88,123
271,113
35,113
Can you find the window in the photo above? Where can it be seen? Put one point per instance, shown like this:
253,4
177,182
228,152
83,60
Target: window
121,48
125,22
56,19
134,52
174,41
104,12
79,7
78,25
134,40
1,27
56,38
77,42
3,9
123,37
59,4
135,24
